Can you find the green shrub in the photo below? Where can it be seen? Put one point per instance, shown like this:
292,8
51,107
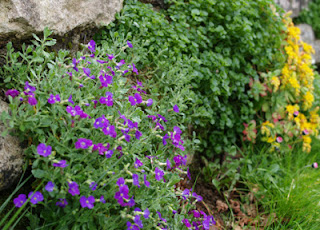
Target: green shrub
219,45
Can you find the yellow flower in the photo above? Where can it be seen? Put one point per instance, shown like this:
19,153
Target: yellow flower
307,48
276,83
308,100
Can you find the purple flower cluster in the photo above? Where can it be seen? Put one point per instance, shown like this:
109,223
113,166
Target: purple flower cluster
76,111
29,91
13,93
105,80
123,194
107,100
87,202
53,99
44,150
136,99
83,143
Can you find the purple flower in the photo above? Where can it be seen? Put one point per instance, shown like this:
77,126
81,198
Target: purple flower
50,186
152,117
131,202
195,213
149,102
102,200
62,203
164,138
108,100
146,183
83,143
180,160
105,80
168,164
93,186
176,108
162,117
159,214
53,99
20,200
101,122
127,137
87,202
92,46
146,213
198,197
70,100
110,130
102,61
75,62
110,56
120,181
132,226
123,193
137,221
86,71
122,62
137,163
138,134
32,100
29,88
185,194
12,92
135,178
129,44
73,188
188,174
44,150
35,197
134,69
71,111
186,223
109,153
136,99
159,174
61,164
101,148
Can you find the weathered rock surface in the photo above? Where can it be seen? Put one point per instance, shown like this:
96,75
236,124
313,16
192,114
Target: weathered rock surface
20,19
307,35
294,5
11,156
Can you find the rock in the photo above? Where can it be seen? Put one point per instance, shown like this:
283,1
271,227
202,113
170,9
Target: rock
316,47
19,19
307,34
11,156
294,5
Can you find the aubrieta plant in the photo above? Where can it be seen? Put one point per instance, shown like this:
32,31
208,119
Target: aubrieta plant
104,154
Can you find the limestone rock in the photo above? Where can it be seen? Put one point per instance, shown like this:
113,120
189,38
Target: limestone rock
11,156
22,18
307,34
294,5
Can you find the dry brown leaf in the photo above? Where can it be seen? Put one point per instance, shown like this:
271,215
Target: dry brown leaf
250,209
268,219
221,206
237,227
235,205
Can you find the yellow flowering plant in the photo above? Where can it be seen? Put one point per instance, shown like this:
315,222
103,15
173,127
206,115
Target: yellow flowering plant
285,97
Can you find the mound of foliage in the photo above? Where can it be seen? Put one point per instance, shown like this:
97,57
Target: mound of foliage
105,152
220,45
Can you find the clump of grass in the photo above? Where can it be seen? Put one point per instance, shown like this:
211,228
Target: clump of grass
287,186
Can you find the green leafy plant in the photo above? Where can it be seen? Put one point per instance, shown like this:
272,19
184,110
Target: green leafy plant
105,153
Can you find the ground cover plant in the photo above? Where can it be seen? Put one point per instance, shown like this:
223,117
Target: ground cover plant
105,154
